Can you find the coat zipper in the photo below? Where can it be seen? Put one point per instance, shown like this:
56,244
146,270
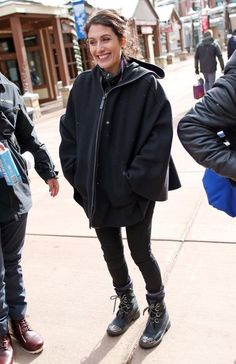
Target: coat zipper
101,108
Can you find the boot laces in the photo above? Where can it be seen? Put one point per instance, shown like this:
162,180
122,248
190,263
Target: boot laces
4,342
154,311
25,325
124,303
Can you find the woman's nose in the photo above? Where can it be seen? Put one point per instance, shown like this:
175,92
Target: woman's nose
100,45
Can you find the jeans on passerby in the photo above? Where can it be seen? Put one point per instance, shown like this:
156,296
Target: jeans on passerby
209,80
12,292
139,242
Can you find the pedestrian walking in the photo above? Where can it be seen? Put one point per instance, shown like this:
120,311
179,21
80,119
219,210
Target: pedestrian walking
17,135
115,149
199,129
231,46
207,53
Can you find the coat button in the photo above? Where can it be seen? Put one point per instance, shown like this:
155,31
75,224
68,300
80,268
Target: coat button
107,122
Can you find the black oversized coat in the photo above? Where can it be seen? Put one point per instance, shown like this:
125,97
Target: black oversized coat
115,145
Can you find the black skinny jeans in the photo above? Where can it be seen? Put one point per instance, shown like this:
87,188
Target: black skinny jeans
139,242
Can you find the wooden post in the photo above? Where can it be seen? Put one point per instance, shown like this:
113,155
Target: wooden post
61,54
18,39
49,62
157,41
181,36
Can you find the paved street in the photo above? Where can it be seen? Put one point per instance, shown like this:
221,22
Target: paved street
68,287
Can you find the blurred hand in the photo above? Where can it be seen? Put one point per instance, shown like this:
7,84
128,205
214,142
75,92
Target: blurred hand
2,146
53,186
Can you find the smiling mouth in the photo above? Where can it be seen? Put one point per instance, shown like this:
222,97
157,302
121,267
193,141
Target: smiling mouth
103,57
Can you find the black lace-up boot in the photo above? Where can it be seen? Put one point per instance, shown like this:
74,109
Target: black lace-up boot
157,325
128,310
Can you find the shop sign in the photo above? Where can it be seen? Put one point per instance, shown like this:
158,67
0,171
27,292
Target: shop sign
216,21
166,28
204,23
146,30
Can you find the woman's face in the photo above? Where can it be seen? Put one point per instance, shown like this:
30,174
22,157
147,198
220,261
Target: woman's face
105,47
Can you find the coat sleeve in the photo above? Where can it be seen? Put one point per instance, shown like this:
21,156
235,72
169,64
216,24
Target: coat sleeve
196,61
198,129
28,141
148,170
67,149
219,56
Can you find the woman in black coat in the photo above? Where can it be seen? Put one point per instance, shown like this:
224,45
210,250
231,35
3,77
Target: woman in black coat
115,147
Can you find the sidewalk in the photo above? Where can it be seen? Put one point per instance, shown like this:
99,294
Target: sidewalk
68,287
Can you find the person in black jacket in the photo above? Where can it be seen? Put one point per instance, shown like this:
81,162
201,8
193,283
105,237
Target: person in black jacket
206,54
231,46
115,148
198,129
17,135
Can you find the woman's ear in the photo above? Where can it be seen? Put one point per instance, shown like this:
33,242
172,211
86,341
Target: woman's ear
123,42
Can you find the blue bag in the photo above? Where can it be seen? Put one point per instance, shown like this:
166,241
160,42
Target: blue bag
221,192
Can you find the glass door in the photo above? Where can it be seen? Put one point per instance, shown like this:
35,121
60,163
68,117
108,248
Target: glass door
9,69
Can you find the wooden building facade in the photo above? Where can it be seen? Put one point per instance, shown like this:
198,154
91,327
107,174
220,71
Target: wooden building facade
37,47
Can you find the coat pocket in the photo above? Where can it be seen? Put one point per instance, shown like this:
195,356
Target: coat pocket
120,192
81,180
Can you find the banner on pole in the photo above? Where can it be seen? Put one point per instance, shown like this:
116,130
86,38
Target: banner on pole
80,18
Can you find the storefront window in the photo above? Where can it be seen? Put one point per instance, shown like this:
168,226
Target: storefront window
67,38
56,64
30,41
35,67
163,43
142,45
70,56
52,38
71,61
7,45
10,70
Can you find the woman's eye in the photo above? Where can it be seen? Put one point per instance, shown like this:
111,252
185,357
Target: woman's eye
91,42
